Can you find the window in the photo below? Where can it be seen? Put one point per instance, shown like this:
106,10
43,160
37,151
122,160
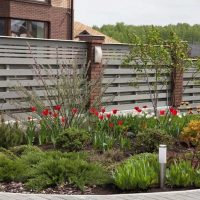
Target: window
26,28
2,27
36,1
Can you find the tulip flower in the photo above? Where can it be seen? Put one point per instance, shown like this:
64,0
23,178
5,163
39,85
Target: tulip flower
33,109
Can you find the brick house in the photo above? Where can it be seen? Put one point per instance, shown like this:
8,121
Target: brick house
51,19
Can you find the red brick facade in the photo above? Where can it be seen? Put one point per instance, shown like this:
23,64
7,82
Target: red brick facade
59,19
177,87
95,71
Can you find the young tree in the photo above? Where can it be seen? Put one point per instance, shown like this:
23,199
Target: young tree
167,59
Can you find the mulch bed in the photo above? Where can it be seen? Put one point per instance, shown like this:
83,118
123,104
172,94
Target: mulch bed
14,187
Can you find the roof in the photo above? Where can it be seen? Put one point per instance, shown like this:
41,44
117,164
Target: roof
80,28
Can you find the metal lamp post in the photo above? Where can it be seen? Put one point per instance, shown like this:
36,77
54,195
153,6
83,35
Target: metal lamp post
162,161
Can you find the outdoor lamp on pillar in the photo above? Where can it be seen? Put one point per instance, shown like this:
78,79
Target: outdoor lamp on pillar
162,161
98,54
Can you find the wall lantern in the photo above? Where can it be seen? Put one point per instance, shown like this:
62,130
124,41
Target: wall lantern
98,54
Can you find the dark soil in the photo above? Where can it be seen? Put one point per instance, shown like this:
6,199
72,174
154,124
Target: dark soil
14,187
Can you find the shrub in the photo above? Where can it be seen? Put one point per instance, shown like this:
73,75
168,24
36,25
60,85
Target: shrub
11,170
23,149
191,134
102,141
11,135
8,153
180,174
149,140
78,172
72,139
197,178
137,173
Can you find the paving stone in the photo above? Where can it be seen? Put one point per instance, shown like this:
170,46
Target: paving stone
180,195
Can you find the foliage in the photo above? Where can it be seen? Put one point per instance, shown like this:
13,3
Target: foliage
197,178
109,131
56,168
10,169
24,149
123,32
73,139
8,153
11,135
137,173
63,104
191,133
102,141
40,170
59,171
150,139
180,174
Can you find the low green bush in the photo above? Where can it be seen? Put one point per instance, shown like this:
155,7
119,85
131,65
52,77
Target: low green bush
8,153
23,149
11,169
197,178
72,139
180,174
150,140
137,173
60,171
11,135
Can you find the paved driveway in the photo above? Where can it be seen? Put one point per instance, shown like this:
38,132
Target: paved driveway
181,195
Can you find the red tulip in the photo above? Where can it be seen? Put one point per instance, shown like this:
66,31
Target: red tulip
111,125
103,110
96,113
145,106
101,117
108,115
63,119
74,111
92,110
57,107
33,109
55,115
162,112
137,108
114,111
120,123
45,112
173,111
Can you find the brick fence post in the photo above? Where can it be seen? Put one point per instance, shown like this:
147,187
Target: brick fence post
95,69
176,87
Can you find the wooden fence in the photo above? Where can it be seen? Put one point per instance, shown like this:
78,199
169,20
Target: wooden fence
17,57
129,87
16,61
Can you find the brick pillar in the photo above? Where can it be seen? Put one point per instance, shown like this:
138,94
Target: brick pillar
95,69
176,87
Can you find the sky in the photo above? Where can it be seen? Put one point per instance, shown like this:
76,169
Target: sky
137,12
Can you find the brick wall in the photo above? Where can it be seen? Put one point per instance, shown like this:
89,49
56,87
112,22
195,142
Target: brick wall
176,87
58,17
4,8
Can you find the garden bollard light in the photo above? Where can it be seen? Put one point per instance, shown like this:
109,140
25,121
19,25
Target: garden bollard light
162,161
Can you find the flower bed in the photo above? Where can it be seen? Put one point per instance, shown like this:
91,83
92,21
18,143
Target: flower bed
109,151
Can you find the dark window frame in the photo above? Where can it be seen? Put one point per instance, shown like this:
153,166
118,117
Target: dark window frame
6,25
46,26
47,2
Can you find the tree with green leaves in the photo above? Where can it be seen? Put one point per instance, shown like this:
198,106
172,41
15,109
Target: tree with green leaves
167,59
